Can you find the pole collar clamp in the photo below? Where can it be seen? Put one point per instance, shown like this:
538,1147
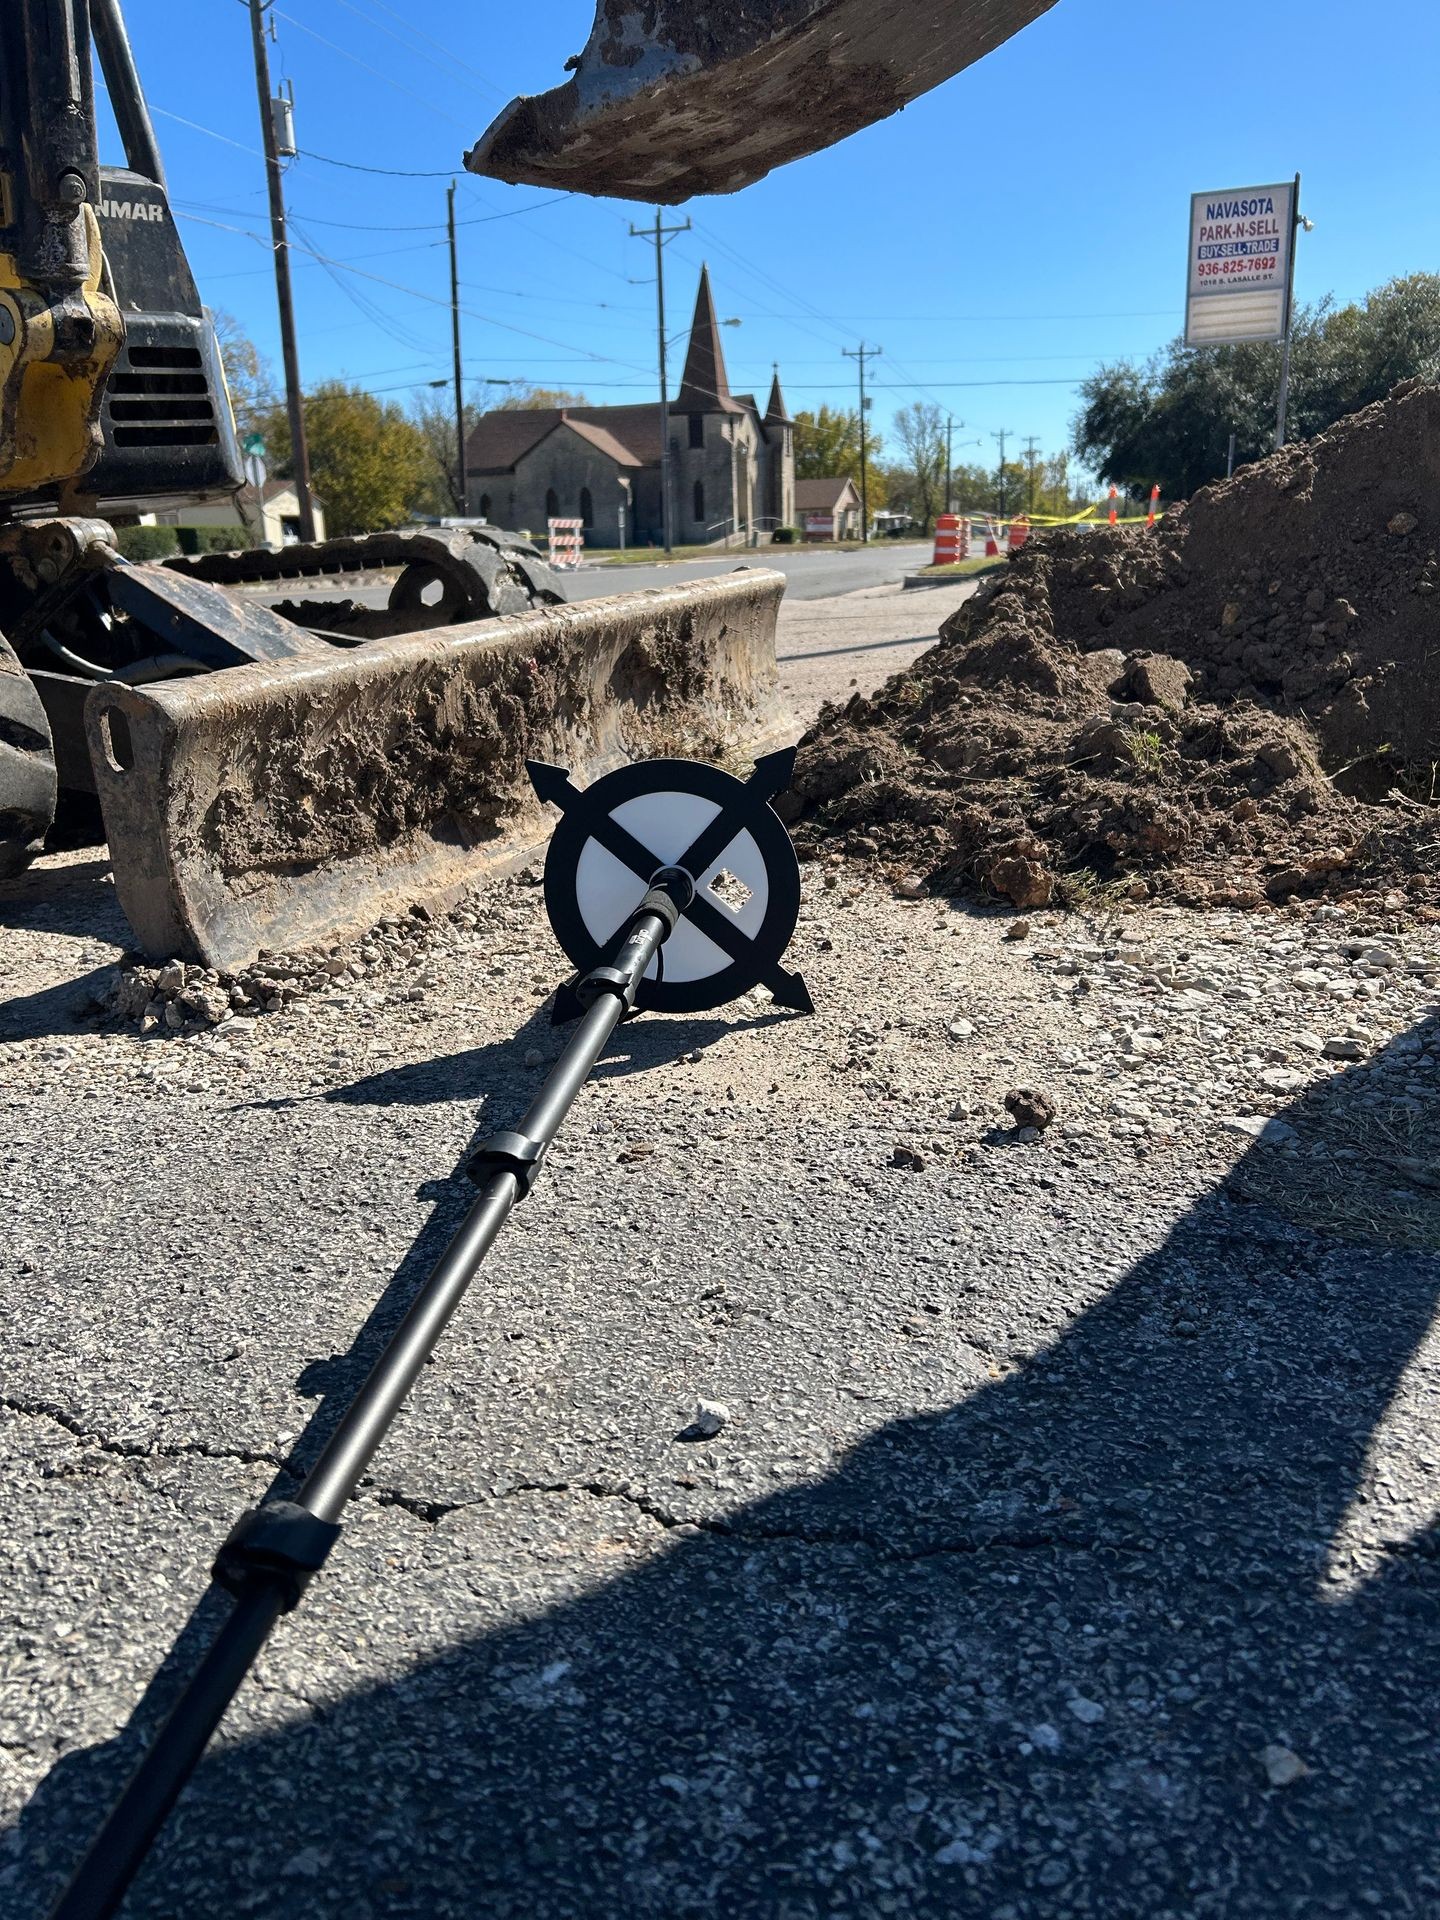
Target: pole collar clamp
279,1542
509,1152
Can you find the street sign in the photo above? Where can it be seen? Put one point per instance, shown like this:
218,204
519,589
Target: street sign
256,471
253,443
1239,265
624,828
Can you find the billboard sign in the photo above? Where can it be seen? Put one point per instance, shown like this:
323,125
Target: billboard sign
1239,270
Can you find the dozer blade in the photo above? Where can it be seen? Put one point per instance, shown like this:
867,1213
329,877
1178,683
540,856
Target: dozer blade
671,99
293,802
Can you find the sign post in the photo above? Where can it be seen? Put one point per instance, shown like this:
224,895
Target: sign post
1284,397
1241,272
253,448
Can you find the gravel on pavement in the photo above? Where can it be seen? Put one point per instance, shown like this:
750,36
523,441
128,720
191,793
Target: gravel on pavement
1061,1535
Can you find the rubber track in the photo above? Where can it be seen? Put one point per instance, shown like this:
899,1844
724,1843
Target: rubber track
484,573
27,768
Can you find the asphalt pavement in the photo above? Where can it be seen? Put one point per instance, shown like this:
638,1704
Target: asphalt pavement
813,573
1068,1552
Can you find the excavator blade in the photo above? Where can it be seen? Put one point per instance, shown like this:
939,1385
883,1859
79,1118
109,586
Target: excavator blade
671,99
293,802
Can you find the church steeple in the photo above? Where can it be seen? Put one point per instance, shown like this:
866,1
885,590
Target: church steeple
777,414
704,385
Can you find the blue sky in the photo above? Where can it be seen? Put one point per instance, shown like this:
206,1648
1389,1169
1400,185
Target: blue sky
998,238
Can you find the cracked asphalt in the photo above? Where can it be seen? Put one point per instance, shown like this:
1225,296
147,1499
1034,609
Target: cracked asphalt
1069,1548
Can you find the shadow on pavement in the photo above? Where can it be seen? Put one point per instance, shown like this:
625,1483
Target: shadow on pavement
496,1071
56,1010
1021,1657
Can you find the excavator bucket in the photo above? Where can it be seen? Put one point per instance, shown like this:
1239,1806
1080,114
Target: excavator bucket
293,802
671,99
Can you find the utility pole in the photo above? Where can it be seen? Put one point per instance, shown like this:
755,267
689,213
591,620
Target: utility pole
1004,502
463,495
860,355
294,400
1030,447
950,424
660,234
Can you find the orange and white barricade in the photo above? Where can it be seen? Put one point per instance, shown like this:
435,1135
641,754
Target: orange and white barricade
1154,506
567,542
1019,532
1114,510
993,537
952,539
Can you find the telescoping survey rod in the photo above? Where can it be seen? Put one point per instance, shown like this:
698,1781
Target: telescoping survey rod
276,1548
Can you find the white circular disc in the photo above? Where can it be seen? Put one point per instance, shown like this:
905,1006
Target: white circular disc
607,892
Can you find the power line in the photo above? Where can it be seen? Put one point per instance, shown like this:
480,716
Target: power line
195,127
409,226
384,78
451,56
446,66
418,293
358,166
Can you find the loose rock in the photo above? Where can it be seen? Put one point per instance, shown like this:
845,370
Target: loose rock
1028,1107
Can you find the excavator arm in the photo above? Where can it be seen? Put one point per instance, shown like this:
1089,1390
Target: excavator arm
669,99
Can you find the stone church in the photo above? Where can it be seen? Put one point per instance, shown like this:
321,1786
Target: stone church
732,467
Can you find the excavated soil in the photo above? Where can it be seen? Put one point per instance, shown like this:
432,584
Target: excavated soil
1240,703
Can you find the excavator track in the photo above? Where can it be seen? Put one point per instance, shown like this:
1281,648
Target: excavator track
27,768
447,576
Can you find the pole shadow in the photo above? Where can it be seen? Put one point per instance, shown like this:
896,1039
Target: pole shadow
1100,1639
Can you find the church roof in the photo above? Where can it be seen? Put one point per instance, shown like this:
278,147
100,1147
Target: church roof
629,435
777,414
704,385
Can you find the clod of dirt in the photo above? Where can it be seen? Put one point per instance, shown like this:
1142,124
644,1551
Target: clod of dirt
1233,707
909,1158
1027,1107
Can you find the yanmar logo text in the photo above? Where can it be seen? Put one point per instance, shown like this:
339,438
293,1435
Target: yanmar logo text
131,210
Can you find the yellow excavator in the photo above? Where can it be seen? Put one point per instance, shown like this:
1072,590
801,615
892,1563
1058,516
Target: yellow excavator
271,776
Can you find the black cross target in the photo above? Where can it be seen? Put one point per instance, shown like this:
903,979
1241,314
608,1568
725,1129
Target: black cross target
616,834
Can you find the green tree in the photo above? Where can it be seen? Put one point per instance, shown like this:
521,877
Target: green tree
248,374
370,462
520,396
827,444
1169,420
920,432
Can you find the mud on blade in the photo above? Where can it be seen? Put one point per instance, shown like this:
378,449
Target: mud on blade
671,99
296,801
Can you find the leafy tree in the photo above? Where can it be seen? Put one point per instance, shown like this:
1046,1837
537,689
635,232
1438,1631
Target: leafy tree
827,444
1170,419
522,397
920,430
248,374
370,462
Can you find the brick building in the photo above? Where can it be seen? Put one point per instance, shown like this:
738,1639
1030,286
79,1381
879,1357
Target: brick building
732,467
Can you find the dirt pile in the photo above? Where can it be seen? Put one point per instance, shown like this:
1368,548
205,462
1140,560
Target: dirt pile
1239,703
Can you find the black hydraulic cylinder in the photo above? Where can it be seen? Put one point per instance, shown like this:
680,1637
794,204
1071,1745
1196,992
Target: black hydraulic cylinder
266,1582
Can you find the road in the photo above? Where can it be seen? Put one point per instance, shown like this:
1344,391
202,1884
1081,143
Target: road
1068,1549
813,574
